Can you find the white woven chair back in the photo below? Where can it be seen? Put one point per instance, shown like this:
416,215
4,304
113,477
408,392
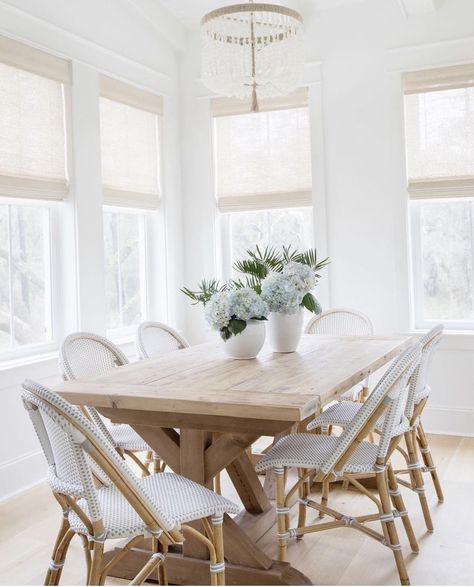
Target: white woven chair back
84,354
419,388
71,443
155,339
341,321
391,392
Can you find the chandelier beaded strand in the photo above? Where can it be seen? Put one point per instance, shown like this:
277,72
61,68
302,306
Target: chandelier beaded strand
252,51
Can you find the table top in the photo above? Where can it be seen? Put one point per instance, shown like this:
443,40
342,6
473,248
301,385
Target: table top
201,380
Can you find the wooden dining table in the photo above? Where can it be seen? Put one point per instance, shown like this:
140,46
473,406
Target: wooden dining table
201,411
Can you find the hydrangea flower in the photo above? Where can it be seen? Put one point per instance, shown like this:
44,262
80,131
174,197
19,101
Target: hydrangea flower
216,311
280,293
245,304
238,304
301,276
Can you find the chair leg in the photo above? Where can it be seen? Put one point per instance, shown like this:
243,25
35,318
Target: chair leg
414,467
281,511
324,496
148,460
218,539
302,494
382,486
156,463
56,564
399,504
428,460
96,564
217,483
53,568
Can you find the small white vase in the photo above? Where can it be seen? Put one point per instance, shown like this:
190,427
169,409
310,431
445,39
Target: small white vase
285,330
248,343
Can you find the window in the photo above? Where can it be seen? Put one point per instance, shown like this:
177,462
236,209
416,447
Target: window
125,263
32,174
263,174
130,139
439,118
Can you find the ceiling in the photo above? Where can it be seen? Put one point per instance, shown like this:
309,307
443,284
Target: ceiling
190,12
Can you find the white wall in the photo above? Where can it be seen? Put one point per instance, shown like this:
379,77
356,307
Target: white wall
123,42
360,51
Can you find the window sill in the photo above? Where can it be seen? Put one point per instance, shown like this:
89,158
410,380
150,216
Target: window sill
38,366
462,340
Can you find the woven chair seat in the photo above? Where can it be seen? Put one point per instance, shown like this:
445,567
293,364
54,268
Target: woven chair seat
182,500
310,451
342,414
126,438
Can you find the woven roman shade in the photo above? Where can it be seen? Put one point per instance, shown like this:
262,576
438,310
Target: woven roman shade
439,121
32,128
262,159
129,128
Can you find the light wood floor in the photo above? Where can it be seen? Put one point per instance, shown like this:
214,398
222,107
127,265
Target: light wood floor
28,524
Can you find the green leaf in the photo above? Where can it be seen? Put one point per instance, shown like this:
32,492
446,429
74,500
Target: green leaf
206,289
225,333
311,303
236,326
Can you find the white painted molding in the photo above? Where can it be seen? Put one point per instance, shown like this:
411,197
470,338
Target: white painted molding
19,25
21,473
416,7
429,55
162,21
450,420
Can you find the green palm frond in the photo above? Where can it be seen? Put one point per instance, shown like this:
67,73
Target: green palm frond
251,281
251,267
206,289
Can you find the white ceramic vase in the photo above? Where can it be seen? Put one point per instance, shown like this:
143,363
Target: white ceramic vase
248,343
285,330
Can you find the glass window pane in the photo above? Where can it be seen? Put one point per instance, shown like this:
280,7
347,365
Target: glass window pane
4,281
124,269
291,227
25,283
447,259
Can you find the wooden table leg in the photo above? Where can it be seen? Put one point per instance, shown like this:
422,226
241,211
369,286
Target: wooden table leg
193,445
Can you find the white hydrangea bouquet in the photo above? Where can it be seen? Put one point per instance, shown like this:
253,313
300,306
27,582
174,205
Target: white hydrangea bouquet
228,307
230,310
285,278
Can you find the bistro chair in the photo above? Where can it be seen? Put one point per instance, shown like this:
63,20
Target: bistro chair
344,322
84,354
341,415
101,498
326,458
154,339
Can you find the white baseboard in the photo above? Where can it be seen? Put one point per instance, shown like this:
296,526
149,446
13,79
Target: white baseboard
21,473
450,420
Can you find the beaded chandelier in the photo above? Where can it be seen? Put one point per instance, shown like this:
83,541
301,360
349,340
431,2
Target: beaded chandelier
252,51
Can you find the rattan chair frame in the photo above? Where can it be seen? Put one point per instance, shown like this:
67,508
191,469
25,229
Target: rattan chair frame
386,399
89,442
